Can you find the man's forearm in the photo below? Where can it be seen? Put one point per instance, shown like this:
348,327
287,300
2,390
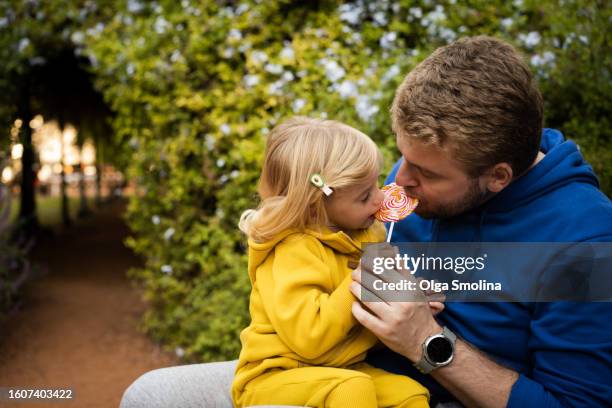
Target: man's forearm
474,379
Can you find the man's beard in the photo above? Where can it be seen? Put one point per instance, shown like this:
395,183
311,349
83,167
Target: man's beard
473,197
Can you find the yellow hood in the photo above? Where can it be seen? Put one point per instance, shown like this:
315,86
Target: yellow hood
339,241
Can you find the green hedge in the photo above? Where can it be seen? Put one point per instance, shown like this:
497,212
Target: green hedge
197,85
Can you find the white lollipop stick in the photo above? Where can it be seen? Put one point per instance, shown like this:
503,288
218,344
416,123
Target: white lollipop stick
390,231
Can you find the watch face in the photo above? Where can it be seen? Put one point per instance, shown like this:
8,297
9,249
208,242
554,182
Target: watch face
439,350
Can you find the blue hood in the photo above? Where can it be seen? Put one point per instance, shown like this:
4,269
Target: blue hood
562,350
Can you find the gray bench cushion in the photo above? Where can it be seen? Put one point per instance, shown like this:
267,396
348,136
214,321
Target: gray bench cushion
188,386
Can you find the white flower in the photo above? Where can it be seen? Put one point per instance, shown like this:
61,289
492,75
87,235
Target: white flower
391,73
175,56
245,46
129,69
167,269
127,20
227,11
319,33
168,233
3,22
241,8
155,219
371,69
435,16
234,35
225,129
387,40
179,352
365,108
250,80
234,174
23,44
209,141
416,12
298,104
530,40
506,22
276,88
333,71
220,163
228,52
287,76
223,179
380,18
350,13
274,69
347,89
134,6
160,25
259,57
77,37
546,58
447,34
287,54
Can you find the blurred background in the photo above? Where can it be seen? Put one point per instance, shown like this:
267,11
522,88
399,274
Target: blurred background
131,139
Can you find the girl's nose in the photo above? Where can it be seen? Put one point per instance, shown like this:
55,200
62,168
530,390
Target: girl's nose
379,198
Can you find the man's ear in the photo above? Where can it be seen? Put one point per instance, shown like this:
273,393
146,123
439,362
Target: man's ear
498,177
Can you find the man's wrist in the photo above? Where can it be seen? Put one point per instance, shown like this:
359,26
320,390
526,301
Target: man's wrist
438,350
417,351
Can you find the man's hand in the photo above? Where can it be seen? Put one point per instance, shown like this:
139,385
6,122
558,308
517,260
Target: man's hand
402,326
472,377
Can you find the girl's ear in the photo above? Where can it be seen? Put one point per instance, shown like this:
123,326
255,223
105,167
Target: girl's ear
498,177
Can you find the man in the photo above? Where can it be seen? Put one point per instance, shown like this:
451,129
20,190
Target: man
468,122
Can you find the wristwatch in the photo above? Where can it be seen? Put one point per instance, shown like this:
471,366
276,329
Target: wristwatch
438,351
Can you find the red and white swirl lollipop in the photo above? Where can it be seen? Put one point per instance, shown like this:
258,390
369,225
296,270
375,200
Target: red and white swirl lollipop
396,206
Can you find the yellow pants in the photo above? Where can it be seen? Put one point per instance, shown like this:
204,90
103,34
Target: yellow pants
361,385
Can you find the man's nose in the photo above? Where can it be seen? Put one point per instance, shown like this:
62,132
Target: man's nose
405,176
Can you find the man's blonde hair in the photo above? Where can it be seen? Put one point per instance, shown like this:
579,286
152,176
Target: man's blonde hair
477,98
296,149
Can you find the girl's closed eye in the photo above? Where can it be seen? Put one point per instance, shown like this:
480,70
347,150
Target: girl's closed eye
366,197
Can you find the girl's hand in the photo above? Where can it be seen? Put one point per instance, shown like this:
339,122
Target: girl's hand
436,307
436,300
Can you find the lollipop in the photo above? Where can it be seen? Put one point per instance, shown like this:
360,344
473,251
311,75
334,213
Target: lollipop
396,206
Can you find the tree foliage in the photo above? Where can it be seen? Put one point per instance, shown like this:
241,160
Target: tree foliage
196,86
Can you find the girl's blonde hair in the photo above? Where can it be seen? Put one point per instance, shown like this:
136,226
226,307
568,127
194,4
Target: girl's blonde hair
297,149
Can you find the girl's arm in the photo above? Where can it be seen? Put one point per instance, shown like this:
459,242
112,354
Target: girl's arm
307,314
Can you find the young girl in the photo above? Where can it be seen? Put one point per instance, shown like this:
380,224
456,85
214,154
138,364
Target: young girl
319,193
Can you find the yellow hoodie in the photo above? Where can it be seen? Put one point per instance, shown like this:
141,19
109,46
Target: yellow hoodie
300,303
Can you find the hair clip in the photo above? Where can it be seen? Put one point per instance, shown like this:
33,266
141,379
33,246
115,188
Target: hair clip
318,181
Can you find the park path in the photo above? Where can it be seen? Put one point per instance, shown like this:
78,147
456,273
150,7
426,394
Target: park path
78,326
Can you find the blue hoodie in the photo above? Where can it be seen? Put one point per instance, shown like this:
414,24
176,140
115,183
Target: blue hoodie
561,350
